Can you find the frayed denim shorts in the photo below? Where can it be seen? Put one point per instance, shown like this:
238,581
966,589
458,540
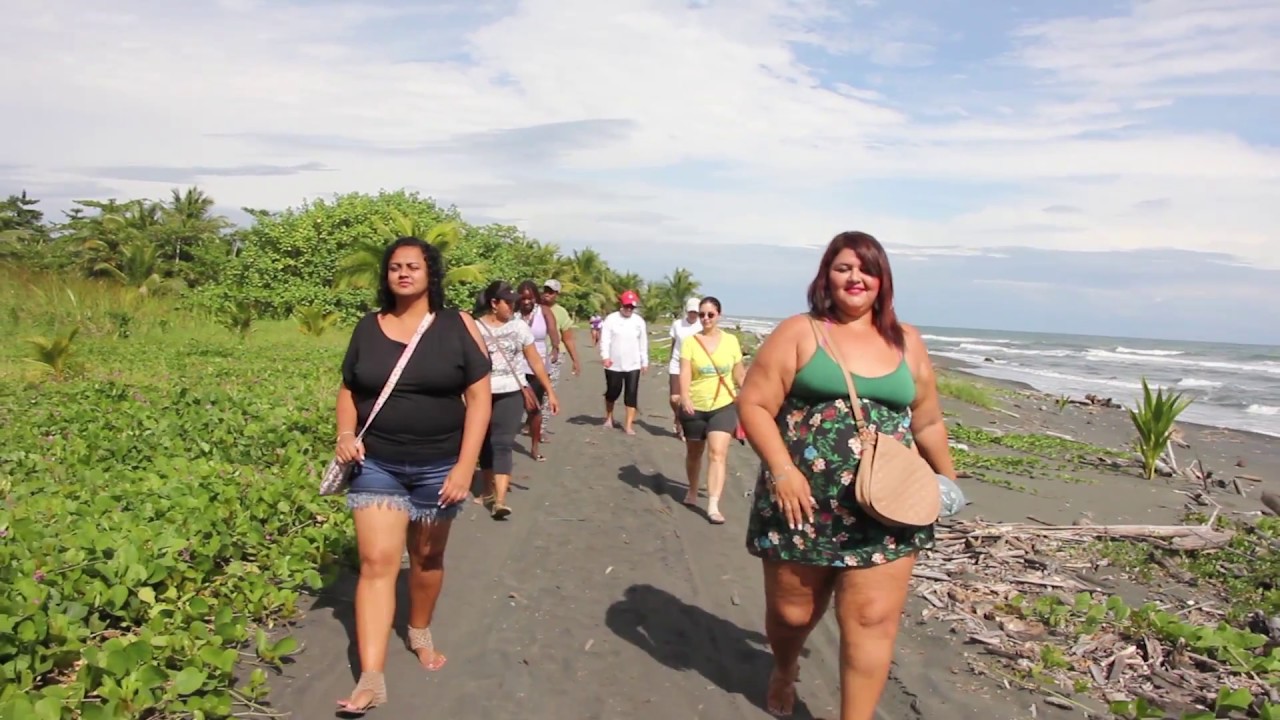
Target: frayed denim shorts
412,487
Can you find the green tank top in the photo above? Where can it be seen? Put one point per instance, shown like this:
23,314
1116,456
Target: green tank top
820,380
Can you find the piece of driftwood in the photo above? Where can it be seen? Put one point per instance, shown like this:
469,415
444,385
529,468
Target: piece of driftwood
971,576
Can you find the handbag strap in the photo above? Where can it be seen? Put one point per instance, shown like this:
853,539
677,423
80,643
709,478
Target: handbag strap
825,340
510,366
394,377
719,375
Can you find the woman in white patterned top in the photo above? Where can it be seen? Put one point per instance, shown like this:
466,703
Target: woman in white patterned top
509,341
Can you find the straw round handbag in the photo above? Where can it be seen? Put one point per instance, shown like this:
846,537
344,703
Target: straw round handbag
894,484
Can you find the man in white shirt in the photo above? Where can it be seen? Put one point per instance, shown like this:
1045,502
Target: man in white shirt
680,329
624,348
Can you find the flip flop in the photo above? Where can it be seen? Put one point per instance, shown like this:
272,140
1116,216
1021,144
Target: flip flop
715,518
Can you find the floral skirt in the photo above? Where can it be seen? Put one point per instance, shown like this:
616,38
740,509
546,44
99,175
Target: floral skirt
822,438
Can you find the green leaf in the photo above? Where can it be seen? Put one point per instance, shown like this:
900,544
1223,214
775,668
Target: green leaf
188,681
147,595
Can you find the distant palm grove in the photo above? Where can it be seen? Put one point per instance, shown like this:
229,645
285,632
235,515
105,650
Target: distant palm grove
317,262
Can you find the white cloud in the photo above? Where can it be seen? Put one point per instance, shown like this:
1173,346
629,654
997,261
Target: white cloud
434,96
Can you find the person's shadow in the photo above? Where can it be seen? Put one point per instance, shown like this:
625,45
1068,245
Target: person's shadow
686,637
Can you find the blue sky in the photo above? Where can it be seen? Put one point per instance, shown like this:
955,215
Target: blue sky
1101,167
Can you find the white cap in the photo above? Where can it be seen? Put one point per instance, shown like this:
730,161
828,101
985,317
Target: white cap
692,305
552,285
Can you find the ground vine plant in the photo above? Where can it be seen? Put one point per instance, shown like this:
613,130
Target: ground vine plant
160,518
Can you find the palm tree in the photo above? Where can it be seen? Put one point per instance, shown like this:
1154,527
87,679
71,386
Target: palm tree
361,267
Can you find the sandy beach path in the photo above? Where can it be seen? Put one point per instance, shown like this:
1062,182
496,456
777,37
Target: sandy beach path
604,597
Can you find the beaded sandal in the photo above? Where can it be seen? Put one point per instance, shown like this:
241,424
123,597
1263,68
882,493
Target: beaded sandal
420,639
372,682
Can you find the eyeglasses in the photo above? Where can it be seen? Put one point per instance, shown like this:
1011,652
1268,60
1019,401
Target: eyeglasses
628,307
706,315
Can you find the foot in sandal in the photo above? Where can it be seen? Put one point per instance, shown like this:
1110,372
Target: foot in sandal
780,701
370,692
420,643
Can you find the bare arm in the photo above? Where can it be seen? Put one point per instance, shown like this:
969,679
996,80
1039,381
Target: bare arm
765,387
553,331
346,411
539,369
479,400
571,346
686,381
927,424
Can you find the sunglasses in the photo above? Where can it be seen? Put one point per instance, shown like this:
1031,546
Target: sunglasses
706,315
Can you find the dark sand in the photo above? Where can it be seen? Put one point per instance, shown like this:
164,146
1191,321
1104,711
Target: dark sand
604,597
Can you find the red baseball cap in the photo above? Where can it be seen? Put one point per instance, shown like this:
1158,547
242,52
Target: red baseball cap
629,297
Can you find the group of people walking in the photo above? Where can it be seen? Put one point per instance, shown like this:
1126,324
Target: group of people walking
473,381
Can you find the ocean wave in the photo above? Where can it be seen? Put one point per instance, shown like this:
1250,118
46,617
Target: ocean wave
1013,350
1151,353
1256,409
945,338
1097,355
1198,383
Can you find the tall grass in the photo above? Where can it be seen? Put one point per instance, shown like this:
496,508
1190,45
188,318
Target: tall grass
966,391
52,318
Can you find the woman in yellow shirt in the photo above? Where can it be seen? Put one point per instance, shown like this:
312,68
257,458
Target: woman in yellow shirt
711,372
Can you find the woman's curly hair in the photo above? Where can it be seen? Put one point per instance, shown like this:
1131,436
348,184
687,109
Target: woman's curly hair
435,274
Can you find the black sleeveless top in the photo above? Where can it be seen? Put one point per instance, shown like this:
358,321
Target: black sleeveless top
422,419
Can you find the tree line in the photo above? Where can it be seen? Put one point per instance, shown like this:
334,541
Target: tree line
319,259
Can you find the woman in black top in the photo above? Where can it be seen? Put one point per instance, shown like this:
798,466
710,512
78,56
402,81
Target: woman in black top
417,457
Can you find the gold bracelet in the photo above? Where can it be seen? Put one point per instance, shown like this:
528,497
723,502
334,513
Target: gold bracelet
348,432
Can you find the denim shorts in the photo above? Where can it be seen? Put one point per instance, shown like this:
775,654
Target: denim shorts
412,487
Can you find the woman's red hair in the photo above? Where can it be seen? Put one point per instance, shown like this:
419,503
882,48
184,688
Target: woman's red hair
874,262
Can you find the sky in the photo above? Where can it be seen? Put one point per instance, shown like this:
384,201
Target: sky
1102,168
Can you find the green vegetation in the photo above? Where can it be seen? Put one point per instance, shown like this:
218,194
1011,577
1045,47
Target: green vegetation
1153,418
1245,575
160,513
966,391
1241,652
321,256
1002,459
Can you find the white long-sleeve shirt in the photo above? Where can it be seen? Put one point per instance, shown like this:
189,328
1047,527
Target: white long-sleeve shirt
625,341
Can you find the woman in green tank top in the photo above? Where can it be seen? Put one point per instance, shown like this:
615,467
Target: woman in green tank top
815,541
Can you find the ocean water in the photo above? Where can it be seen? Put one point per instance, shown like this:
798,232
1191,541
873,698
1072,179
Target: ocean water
1234,386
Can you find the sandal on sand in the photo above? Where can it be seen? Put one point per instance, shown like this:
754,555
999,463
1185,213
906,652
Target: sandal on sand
372,683
499,512
485,500
540,457
420,639
780,698
715,518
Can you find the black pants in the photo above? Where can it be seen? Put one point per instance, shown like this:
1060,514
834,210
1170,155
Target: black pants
504,423
616,380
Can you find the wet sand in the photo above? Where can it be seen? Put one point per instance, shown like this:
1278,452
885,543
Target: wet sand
604,597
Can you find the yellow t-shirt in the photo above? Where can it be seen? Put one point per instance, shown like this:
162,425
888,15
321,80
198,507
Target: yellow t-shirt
705,389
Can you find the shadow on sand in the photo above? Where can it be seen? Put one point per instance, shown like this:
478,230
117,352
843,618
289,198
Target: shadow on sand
686,637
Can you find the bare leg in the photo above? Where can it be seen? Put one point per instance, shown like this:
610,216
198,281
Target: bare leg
718,450
501,483
631,419
869,605
796,597
380,538
693,468
489,484
608,413
427,541
535,435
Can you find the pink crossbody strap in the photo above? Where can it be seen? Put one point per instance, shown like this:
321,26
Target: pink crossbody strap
394,377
